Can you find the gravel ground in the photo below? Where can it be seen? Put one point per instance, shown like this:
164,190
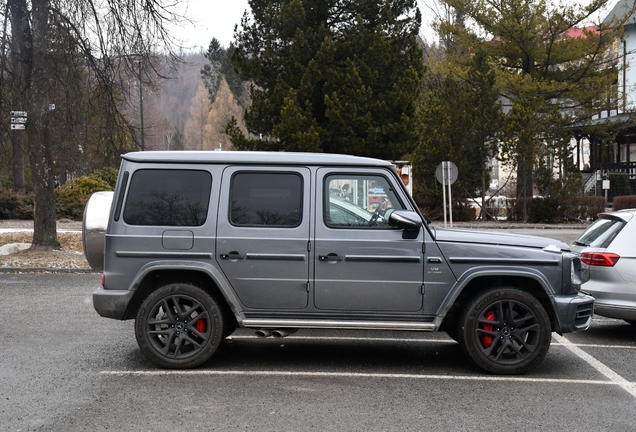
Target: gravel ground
71,255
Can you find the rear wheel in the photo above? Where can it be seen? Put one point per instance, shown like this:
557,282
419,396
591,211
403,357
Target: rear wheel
505,331
179,326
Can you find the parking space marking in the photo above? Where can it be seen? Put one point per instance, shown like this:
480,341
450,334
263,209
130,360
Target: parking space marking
353,375
609,373
380,339
599,346
614,378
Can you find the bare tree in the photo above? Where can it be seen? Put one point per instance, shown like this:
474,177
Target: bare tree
111,41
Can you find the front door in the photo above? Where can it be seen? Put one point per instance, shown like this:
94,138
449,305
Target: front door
362,264
263,235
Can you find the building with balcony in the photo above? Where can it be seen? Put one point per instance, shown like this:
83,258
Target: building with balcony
607,142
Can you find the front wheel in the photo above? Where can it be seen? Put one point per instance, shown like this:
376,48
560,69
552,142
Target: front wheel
505,331
179,326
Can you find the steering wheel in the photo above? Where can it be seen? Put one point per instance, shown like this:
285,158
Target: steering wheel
376,215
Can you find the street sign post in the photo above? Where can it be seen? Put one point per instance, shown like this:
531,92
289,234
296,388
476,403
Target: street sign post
446,174
18,120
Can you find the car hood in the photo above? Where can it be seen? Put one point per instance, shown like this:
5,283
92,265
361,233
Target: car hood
496,238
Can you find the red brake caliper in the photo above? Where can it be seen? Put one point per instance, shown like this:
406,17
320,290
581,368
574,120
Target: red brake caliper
486,340
200,326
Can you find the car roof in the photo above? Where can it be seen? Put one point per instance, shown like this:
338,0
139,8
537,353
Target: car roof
249,157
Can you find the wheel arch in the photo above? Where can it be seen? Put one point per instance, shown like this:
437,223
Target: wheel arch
155,278
468,288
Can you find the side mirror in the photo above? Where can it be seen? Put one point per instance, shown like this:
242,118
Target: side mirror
409,221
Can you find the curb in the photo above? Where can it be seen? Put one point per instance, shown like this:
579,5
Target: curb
45,270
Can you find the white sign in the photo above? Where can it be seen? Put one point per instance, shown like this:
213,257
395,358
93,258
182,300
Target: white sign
18,126
18,119
606,184
19,113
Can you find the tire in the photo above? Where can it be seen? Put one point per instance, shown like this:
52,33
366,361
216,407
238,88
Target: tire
179,326
518,338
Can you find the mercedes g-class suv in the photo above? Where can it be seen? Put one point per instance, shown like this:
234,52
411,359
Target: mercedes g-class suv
193,245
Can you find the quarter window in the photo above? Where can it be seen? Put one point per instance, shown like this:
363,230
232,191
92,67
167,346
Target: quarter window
266,199
168,198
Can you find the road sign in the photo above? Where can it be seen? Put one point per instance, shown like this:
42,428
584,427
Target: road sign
450,178
18,126
18,119
19,113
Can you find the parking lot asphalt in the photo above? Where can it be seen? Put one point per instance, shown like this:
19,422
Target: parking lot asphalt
65,368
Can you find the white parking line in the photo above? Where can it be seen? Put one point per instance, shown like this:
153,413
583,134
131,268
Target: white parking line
413,340
614,378
353,375
609,373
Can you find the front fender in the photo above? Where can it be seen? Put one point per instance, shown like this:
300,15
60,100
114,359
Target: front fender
490,272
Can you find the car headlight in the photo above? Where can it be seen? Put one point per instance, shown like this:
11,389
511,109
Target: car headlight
571,273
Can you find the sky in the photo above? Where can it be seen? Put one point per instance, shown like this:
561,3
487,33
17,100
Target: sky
213,18
217,18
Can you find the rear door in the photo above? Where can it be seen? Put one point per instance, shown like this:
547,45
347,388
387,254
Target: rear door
263,235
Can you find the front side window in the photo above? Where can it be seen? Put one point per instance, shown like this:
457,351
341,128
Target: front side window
266,199
168,198
359,201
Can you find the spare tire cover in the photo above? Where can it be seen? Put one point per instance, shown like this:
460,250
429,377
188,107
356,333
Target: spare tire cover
94,226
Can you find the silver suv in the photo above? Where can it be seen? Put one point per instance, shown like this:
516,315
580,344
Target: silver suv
197,244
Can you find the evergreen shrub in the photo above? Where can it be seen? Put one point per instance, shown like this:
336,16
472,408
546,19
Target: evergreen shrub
71,198
619,185
544,210
15,206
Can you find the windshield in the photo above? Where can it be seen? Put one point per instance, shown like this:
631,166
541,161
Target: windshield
601,233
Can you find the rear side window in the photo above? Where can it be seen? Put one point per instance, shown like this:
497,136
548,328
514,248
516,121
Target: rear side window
266,199
601,233
168,198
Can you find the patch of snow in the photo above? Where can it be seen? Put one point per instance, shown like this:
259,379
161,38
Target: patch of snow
11,248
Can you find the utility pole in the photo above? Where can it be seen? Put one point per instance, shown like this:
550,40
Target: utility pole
141,107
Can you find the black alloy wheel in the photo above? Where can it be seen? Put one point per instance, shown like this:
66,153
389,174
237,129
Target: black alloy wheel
179,326
505,331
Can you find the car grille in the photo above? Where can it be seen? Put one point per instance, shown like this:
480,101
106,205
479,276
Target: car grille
583,314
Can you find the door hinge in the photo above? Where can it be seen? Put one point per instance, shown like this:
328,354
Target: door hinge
308,246
307,287
423,289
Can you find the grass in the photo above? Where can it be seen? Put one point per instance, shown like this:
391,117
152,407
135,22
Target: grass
71,241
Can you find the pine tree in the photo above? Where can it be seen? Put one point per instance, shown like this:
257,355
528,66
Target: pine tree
331,76
552,71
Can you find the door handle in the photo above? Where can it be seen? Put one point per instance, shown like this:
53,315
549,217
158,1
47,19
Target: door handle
232,256
330,257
